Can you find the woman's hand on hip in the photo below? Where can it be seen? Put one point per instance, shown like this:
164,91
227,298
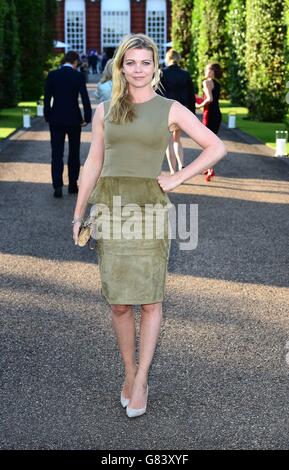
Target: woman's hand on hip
169,182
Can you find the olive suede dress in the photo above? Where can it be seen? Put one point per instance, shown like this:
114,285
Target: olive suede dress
133,262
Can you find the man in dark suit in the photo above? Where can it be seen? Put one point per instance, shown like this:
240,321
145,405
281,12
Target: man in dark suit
64,117
176,83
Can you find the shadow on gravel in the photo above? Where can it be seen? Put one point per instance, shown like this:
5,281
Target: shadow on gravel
213,384
236,238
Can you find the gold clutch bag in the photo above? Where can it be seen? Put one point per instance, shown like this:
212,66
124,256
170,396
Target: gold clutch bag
84,235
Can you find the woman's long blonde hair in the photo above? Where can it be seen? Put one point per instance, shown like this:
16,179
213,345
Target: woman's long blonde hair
121,107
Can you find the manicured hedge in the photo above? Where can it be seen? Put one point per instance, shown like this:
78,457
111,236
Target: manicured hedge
236,27
265,59
250,40
212,45
36,20
181,28
10,77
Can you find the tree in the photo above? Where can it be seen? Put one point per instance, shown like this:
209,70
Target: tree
3,9
51,61
195,32
236,21
31,19
265,60
50,12
36,26
213,38
181,28
10,57
287,36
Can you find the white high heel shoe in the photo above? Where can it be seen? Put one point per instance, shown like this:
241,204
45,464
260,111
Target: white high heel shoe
134,412
124,401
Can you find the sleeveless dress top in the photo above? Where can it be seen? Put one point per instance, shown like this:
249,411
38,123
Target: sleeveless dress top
212,116
129,213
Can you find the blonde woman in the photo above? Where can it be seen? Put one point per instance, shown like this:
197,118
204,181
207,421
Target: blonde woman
104,87
129,138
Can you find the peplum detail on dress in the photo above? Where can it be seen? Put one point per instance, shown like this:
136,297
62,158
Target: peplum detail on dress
133,190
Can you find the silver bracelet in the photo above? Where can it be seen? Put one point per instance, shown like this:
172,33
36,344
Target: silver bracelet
77,219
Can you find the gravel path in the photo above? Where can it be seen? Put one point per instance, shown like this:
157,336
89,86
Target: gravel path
219,378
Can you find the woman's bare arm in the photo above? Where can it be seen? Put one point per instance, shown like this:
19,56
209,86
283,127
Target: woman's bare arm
208,86
93,164
213,148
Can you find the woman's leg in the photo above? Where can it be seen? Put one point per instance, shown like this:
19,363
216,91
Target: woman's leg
123,323
178,148
214,127
150,325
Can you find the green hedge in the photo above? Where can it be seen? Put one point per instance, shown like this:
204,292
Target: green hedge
265,60
3,9
195,33
36,27
10,81
236,26
212,45
287,36
26,43
181,28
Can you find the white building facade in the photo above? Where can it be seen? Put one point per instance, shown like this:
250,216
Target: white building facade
85,25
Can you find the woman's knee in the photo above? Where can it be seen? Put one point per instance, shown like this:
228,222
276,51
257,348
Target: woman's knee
151,308
120,309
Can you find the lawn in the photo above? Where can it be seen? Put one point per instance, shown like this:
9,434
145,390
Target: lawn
12,118
265,131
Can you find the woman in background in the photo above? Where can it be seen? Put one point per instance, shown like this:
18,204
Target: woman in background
104,87
212,116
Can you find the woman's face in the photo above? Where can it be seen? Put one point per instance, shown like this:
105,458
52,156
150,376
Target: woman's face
209,73
138,67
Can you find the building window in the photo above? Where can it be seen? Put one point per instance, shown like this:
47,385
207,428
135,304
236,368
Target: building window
115,23
156,24
75,25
